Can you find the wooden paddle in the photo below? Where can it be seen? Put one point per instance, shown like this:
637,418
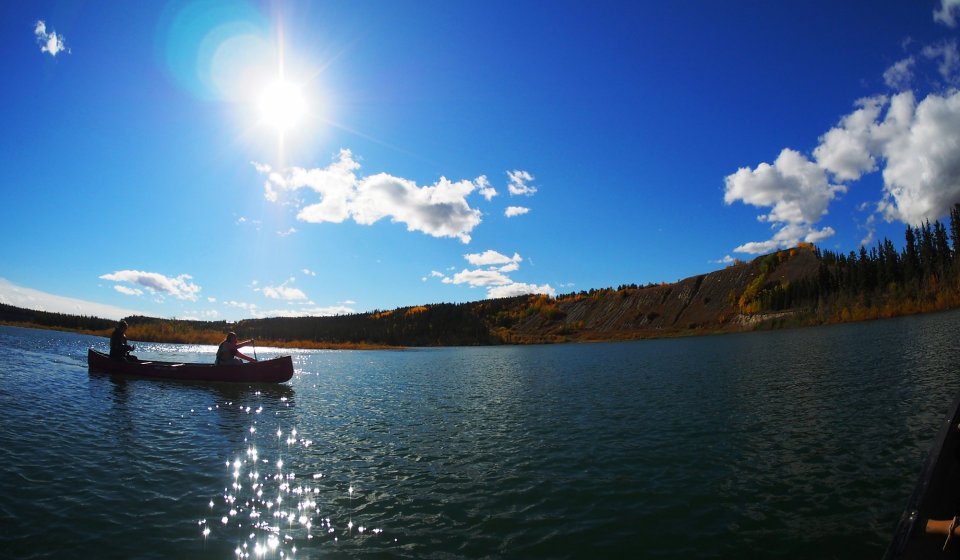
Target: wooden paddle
948,527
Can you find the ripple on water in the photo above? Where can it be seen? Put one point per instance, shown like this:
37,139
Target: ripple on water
775,444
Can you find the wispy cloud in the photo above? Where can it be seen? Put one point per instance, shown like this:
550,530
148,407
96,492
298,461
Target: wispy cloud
128,291
947,12
50,43
179,287
283,292
512,211
29,298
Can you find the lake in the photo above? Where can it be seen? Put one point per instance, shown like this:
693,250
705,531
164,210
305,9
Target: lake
797,443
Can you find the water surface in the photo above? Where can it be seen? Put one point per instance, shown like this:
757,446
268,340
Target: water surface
801,443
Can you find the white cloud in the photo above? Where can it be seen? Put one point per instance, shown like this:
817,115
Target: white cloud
949,59
484,188
491,274
922,175
440,210
156,283
491,257
51,43
478,277
128,291
249,307
519,289
913,144
283,291
308,272
512,211
946,14
28,298
900,75
787,236
848,149
518,183
329,311
795,189
290,231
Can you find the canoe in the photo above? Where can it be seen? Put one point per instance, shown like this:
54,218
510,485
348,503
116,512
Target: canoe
929,526
276,370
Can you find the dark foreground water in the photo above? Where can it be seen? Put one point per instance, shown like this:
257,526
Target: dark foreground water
801,444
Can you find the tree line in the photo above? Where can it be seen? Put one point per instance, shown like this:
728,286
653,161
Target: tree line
880,281
874,282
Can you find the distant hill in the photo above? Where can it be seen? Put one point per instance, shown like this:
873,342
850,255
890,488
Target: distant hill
796,287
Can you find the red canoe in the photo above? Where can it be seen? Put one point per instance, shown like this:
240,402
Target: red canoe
276,370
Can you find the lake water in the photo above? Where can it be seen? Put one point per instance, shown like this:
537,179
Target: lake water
802,443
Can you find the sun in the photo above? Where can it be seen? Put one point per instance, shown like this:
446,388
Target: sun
282,105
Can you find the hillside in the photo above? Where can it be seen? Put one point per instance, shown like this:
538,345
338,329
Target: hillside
796,287
737,298
702,304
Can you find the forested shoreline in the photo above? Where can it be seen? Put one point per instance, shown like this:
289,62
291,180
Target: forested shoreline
796,287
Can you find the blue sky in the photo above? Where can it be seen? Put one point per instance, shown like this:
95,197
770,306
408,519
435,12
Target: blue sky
424,152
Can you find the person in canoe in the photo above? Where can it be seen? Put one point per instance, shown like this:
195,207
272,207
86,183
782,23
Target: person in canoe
229,351
119,349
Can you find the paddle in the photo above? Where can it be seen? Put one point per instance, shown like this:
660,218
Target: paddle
254,344
946,527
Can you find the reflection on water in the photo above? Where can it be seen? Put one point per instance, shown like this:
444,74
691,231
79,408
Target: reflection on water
796,444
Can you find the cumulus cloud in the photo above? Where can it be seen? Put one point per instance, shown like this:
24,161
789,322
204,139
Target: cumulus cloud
922,175
179,287
512,211
912,143
440,210
947,12
795,189
848,150
51,42
519,183
491,273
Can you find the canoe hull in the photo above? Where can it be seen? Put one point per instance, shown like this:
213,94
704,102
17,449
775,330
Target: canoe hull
935,497
277,370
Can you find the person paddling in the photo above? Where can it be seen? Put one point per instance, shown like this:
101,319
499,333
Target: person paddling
228,353
119,349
